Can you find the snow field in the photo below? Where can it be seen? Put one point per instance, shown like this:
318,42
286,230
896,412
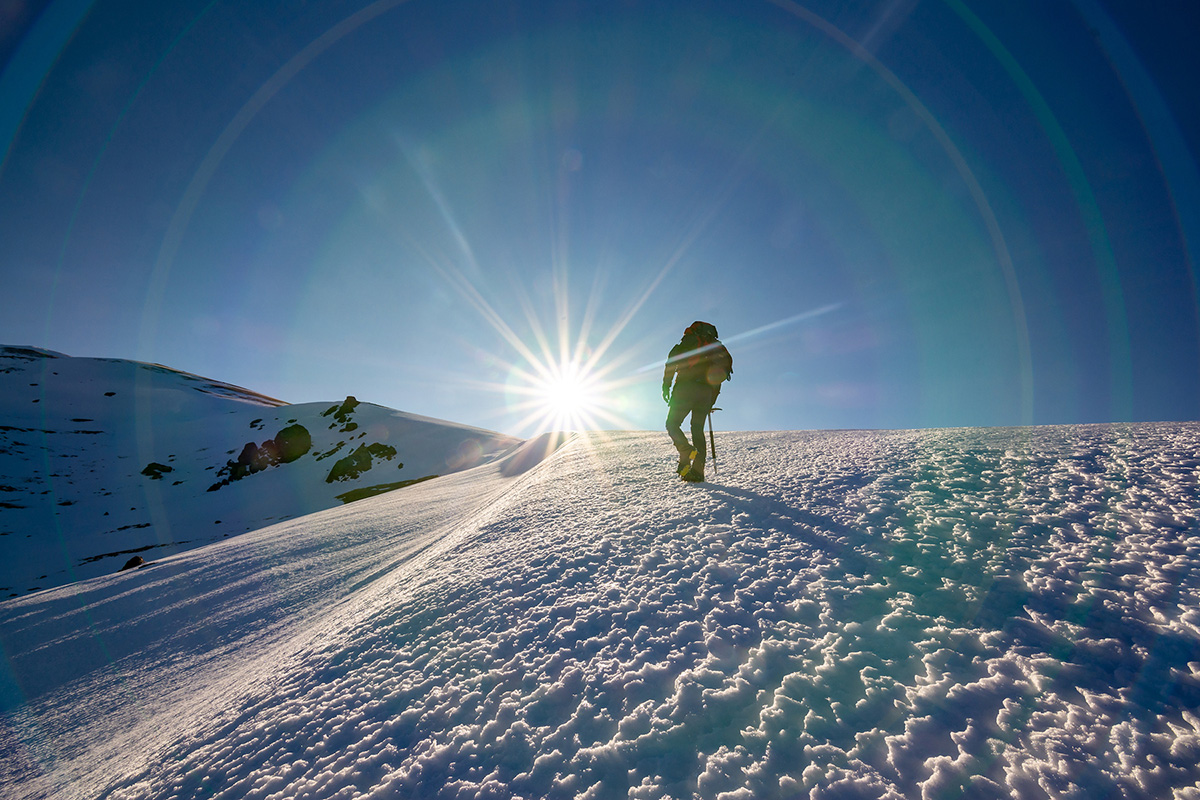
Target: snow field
1005,613
103,459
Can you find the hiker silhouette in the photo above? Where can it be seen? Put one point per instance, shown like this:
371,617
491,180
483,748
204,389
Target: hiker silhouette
697,365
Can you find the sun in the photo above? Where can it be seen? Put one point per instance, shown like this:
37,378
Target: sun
573,392
568,395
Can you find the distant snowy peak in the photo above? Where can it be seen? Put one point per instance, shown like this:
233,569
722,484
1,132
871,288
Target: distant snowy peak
103,459
62,377
29,353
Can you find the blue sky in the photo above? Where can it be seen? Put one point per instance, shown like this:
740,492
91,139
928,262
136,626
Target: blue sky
898,214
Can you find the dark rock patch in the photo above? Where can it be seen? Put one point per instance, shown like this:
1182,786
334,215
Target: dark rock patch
93,559
25,353
331,451
154,471
293,442
252,459
359,461
341,414
288,445
382,488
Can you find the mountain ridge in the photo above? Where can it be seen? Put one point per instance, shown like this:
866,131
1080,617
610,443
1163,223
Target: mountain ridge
106,459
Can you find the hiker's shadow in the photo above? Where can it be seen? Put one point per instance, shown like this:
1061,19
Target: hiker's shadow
855,549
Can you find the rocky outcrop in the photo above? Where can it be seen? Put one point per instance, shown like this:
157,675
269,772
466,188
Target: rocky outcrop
292,442
360,461
154,471
341,414
288,445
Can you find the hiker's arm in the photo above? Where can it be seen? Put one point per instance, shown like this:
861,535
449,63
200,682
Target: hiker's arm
669,373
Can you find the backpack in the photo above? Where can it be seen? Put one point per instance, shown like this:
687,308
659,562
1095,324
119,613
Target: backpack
710,363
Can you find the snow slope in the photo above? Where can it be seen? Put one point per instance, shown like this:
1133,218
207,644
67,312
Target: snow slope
978,613
104,459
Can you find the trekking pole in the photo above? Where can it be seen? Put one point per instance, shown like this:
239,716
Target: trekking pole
712,443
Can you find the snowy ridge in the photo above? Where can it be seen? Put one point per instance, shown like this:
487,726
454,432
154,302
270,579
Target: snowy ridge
102,460
995,613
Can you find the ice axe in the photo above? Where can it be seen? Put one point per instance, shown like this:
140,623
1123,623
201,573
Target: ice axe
712,443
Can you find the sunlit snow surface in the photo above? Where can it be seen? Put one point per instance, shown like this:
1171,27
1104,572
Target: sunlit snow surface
986,613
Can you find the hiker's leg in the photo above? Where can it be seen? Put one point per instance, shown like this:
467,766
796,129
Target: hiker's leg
675,414
699,417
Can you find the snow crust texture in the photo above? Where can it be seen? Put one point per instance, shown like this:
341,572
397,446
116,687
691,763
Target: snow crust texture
967,613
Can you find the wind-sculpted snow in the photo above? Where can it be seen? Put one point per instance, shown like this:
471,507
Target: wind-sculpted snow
985,614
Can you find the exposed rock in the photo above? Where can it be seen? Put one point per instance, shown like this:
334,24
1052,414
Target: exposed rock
359,461
154,471
331,451
133,563
288,445
293,442
27,353
342,413
371,491
269,452
250,460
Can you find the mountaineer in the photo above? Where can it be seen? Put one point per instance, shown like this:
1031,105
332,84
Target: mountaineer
698,365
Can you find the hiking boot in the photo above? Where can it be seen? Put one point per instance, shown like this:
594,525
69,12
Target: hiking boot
685,462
